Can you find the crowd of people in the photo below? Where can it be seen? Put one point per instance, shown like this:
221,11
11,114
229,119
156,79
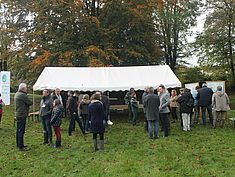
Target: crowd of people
157,107
92,113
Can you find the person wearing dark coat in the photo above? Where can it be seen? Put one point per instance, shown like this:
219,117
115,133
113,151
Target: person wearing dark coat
45,115
146,91
56,120
72,108
151,104
204,98
97,117
84,110
106,102
186,102
64,96
22,104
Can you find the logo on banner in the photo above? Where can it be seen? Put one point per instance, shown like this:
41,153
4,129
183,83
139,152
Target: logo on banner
4,78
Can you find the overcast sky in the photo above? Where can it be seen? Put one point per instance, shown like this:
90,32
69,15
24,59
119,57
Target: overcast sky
197,29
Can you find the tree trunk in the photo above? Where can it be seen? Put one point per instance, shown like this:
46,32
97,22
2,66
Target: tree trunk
231,49
93,8
175,39
98,8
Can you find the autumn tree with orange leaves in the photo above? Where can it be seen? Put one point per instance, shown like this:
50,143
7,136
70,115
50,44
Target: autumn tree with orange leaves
96,33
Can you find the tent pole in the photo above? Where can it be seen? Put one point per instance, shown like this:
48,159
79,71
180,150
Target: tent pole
33,102
109,106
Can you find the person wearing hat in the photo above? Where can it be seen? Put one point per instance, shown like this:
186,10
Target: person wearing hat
220,103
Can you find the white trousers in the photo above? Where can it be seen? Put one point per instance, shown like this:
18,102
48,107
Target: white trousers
186,121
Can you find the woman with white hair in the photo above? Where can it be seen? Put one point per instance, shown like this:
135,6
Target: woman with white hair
220,103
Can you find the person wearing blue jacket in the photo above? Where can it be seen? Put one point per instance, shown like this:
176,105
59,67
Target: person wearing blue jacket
56,120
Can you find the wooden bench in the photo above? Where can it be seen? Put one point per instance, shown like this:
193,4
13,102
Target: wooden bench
233,119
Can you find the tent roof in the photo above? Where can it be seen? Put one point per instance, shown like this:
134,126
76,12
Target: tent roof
106,78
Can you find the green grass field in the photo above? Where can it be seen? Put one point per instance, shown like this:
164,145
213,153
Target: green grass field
128,152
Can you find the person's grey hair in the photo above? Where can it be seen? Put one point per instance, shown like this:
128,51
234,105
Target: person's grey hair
22,86
151,90
219,88
146,88
204,85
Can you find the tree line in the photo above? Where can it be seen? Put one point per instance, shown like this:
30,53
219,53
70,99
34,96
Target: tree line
35,34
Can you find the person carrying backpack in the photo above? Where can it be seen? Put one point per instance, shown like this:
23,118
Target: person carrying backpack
186,102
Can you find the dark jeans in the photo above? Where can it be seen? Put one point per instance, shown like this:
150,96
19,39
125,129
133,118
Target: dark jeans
173,113
155,125
20,130
130,112
74,117
101,136
165,124
57,133
47,130
196,113
86,123
145,123
135,116
209,110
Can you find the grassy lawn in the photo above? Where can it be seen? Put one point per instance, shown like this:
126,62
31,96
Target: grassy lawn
128,152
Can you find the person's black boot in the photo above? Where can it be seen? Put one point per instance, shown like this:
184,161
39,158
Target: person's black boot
95,145
45,138
101,144
57,144
222,123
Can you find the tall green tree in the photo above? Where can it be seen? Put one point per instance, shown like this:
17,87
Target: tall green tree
173,19
129,32
216,43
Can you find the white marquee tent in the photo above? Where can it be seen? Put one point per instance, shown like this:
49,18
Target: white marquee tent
106,78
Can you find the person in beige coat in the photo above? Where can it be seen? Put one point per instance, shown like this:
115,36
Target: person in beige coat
220,104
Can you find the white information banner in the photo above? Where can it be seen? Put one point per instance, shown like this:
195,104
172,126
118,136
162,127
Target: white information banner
210,84
214,84
5,81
